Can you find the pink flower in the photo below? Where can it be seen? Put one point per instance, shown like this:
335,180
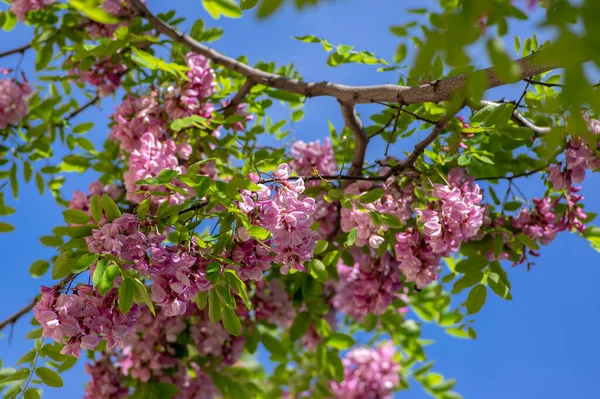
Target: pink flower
307,156
104,74
22,7
369,373
134,117
418,262
13,101
273,304
369,286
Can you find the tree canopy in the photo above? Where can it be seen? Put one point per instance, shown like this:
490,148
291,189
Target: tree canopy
201,240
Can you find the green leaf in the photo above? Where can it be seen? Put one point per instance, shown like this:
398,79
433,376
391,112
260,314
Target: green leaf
273,345
96,207
126,295
110,208
6,227
62,265
504,68
476,299
202,186
497,284
248,4
216,8
340,341
400,54
318,270
231,321
32,393
201,300
39,181
166,175
108,279
239,286
51,241
268,7
18,375
466,281
75,216
214,306
351,237
93,12
464,160
49,377
142,292
34,334
258,232
99,271
39,268
14,182
28,357
473,264
527,241
44,55
372,195
300,326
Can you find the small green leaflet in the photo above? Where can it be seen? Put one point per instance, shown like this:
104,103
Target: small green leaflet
49,377
126,295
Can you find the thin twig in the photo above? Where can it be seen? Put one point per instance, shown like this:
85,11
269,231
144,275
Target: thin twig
17,50
401,108
82,108
387,146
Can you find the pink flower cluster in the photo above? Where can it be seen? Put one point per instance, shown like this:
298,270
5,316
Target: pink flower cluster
369,373
368,286
104,381
177,277
307,156
190,98
418,262
455,217
150,354
83,318
273,304
22,7
134,117
253,259
367,231
118,8
148,161
103,74
13,100
213,341
289,219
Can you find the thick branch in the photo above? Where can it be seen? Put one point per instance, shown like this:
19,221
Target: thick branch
238,98
349,95
360,138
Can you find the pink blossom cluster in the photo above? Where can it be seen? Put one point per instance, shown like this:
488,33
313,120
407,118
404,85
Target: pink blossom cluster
369,232
368,286
273,304
253,259
150,354
134,117
190,99
82,201
82,319
13,100
456,217
104,382
177,276
307,156
289,217
122,238
103,74
22,7
418,261
213,341
119,8
311,338
369,373
148,161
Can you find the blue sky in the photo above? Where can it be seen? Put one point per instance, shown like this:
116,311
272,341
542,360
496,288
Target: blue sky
541,344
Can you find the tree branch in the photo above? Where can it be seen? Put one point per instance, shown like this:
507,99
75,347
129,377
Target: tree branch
17,50
349,95
82,108
360,138
238,98
22,312
520,120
